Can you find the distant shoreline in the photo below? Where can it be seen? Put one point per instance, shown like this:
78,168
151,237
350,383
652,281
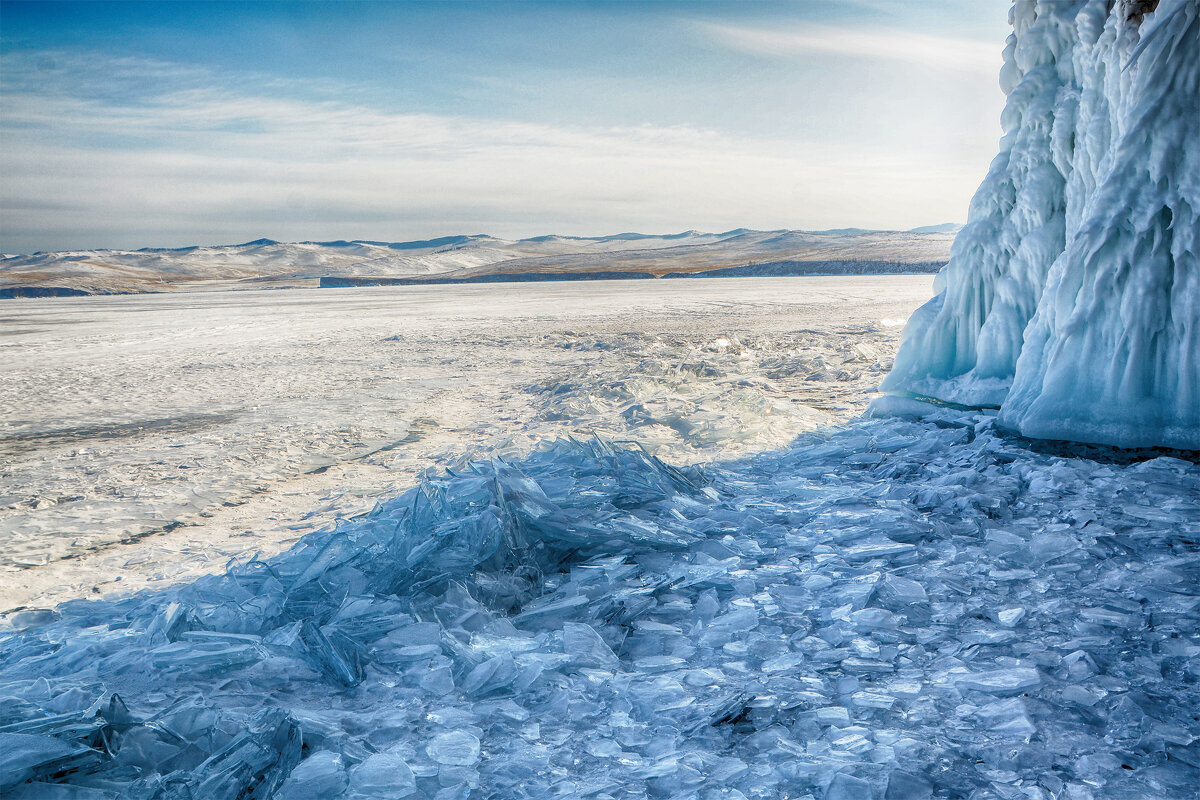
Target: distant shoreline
778,269
268,264
772,269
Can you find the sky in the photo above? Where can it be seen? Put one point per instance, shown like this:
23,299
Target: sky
127,125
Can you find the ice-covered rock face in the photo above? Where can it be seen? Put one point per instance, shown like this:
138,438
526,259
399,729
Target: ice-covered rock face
1072,299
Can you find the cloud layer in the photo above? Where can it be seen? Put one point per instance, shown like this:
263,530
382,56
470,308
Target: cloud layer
921,49
120,152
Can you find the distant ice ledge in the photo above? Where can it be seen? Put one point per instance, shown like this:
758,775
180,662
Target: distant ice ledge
1072,296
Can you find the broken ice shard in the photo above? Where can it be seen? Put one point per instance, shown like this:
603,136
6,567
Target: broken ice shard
456,748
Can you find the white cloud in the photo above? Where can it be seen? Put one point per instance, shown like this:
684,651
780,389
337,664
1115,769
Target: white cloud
196,164
920,49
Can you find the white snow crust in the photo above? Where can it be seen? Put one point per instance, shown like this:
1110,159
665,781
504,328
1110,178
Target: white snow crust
1072,297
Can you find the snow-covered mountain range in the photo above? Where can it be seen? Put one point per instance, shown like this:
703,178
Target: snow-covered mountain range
265,262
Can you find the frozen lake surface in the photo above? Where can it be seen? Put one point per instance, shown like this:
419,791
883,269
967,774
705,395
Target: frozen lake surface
219,424
887,608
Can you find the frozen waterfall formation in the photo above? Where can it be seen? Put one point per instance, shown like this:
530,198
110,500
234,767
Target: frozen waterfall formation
1072,298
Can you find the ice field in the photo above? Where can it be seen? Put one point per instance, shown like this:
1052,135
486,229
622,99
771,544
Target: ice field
631,540
885,607
249,418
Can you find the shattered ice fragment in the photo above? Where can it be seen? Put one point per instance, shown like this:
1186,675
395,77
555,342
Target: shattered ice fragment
1007,717
1079,665
383,776
658,664
317,777
783,663
853,742
205,657
865,552
866,666
1006,575
438,681
265,752
586,648
1047,547
842,612
22,756
416,652
898,590
604,748
556,609
1110,618
848,787
32,618
1010,617
1001,681
728,769
492,675
739,619
456,749
867,699
1080,696
907,786
817,582
875,619
836,716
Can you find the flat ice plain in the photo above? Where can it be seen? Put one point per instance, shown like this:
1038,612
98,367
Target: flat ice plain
147,438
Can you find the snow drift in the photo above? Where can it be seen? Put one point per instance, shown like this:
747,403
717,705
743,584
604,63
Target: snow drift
1072,297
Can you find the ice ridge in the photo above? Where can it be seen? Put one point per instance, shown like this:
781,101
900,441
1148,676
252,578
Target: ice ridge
1072,297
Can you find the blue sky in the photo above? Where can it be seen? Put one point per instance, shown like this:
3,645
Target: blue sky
167,124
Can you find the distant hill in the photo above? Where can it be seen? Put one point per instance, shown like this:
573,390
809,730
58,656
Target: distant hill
266,263
945,227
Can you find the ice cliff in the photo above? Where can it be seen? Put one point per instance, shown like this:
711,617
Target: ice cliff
1072,297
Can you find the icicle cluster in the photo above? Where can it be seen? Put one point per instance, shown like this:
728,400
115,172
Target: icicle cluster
1072,298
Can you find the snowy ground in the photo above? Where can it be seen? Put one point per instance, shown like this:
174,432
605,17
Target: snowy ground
889,608
254,417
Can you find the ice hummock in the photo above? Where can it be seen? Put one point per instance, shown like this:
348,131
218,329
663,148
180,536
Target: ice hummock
1072,297
900,608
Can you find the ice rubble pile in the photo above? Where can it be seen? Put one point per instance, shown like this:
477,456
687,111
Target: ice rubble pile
1072,297
900,609
675,394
